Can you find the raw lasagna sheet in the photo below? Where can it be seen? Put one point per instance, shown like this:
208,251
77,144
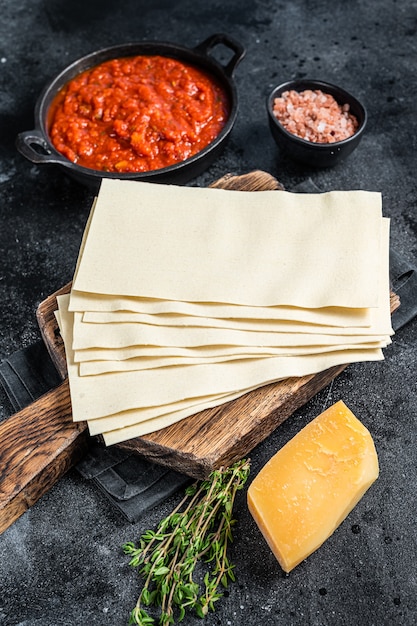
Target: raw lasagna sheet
99,396
225,353
163,241
94,368
118,425
125,335
129,335
333,316
186,298
117,435
140,352
179,321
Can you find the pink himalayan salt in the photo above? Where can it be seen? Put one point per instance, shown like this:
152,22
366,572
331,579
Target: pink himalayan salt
314,116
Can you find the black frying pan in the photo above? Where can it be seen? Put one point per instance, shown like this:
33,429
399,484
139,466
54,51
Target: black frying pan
36,145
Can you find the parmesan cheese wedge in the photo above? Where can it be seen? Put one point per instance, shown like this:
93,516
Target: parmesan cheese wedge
309,487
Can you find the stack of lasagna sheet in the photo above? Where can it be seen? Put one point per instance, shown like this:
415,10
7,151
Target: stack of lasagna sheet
185,298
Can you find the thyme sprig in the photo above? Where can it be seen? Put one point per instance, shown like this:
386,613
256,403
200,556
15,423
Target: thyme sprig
198,531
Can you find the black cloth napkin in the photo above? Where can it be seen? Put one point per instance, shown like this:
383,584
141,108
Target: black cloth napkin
26,375
403,277
133,484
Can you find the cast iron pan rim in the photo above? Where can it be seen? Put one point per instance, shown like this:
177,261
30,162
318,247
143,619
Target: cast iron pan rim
337,92
162,48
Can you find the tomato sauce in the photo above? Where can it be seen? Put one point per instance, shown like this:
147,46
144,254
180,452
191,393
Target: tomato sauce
137,114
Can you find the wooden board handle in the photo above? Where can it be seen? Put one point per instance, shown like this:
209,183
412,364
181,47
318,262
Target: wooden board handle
37,446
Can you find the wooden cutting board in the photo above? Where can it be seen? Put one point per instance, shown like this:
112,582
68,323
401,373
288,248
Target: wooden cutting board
40,443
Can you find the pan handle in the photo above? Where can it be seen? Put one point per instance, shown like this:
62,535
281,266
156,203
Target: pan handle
206,46
33,145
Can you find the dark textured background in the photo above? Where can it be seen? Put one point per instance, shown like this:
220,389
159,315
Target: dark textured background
61,563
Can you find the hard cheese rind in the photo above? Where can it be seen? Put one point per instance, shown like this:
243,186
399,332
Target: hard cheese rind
309,487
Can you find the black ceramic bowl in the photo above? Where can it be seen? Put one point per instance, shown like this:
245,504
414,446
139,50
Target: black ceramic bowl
307,152
36,145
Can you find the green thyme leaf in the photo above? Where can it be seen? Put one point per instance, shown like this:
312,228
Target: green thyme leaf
198,531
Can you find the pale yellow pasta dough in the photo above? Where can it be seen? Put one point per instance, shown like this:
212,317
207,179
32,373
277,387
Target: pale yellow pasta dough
262,325
115,354
216,245
334,316
98,396
163,416
124,335
125,432
118,435
204,353
94,368
186,298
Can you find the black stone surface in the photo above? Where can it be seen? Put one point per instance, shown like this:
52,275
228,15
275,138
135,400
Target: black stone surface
61,563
